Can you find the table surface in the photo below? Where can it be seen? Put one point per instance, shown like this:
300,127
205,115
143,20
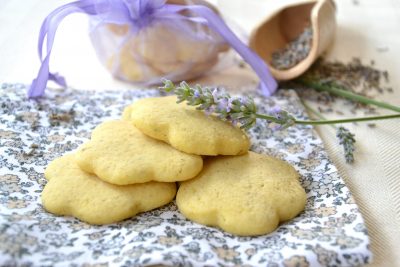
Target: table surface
366,29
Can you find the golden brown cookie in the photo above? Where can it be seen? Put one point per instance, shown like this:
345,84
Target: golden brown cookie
73,192
120,154
185,128
244,195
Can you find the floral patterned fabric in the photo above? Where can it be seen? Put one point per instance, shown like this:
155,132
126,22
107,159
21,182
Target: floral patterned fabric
330,232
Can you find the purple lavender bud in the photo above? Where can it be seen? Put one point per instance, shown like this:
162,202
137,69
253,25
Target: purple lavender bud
210,110
196,94
230,104
215,95
275,110
225,104
222,104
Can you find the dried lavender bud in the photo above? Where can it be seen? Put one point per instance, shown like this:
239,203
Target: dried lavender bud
346,139
56,116
294,52
284,119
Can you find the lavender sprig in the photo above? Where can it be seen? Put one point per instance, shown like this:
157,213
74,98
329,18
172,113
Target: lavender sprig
240,111
243,112
346,139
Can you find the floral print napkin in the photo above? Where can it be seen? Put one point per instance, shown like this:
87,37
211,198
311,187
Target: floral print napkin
330,232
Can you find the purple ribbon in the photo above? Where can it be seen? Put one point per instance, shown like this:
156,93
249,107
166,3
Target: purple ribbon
139,14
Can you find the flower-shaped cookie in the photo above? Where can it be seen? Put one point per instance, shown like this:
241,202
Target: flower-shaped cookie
185,128
120,154
71,191
244,195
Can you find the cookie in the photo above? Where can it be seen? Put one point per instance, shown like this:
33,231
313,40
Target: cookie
245,195
128,65
142,59
120,154
180,43
185,128
73,192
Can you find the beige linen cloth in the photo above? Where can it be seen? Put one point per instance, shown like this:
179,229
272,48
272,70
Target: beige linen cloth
367,29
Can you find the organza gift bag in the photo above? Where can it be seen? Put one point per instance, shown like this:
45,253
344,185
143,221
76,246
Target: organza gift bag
145,41
178,49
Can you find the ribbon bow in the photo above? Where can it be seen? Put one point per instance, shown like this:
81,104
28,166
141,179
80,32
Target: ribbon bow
139,13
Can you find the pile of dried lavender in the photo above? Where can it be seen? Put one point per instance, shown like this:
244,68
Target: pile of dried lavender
294,52
354,76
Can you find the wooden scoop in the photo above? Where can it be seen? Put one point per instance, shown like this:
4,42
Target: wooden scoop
282,27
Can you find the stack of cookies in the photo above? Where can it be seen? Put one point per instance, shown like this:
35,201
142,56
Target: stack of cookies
133,165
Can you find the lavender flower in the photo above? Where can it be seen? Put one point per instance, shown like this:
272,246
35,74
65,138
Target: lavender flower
240,111
346,139
284,119
225,104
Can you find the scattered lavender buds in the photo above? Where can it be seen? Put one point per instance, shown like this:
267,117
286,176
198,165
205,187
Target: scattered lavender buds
294,52
354,76
346,139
